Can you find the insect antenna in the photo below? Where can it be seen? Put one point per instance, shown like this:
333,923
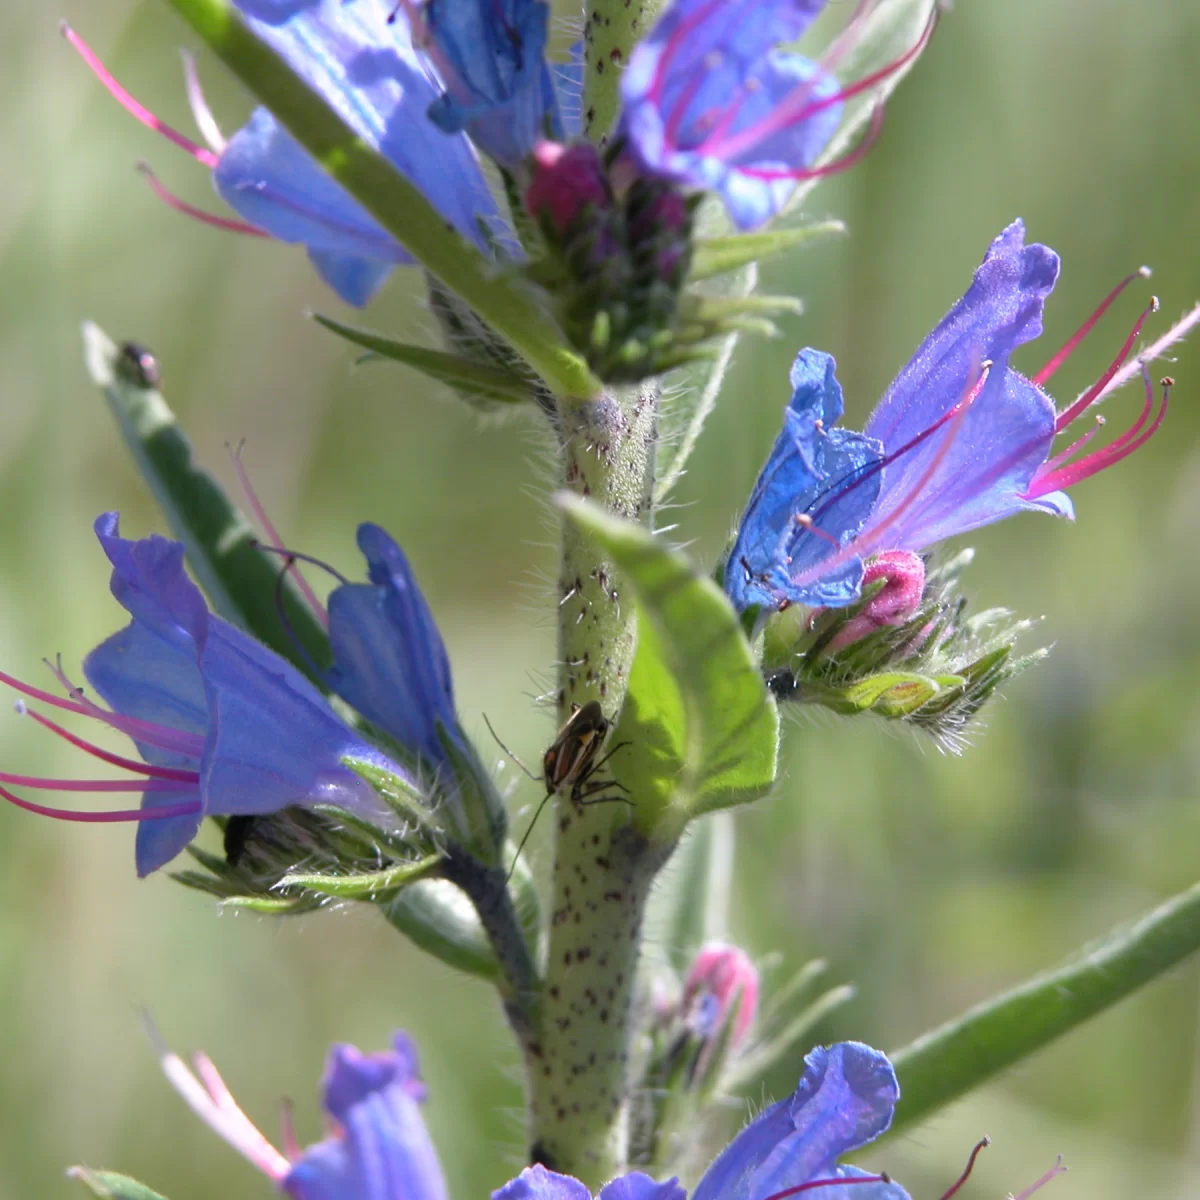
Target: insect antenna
535,778
525,837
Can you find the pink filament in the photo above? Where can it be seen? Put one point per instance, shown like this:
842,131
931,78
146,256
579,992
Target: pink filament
116,760
851,159
1074,448
980,1145
1055,1171
201,113
678,40
229,224
165,813
1087,327
127,102
1060,477
800,107
96,785
813,1184
1084,402
264,522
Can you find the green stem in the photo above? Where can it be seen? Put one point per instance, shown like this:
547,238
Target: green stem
611,30
602,870
964,1052
499,298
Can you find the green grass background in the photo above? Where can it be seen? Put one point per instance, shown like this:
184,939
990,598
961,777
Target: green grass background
931,881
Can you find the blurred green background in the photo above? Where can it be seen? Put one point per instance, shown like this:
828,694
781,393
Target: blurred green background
930,880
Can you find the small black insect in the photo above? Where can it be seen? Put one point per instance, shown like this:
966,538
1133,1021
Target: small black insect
237,834
135,364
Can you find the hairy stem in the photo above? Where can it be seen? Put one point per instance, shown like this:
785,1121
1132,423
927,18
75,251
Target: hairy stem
611,29
602,870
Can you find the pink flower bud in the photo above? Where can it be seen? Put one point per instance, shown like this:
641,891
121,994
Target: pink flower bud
726,974
566,181
903,574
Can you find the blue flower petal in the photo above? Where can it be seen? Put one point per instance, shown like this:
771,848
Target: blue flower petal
813,470
389,659
157,842
844,1099
492,59
537,1183
355,279
382,1150
639,1186
860,1191
710,72
1008,429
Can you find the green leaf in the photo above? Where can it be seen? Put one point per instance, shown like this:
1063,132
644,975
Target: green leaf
475,379
893,29
112,1186
703,734
239,578
374,886
717,255
499,297
440,918
961,1054
889,694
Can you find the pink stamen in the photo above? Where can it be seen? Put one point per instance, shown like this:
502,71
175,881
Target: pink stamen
229,224
1087,327
162,736
107,756
1066,455
165,813
848,160
813,1184
210,131
1085,401
1156,349
264,523
42,783
981,1145
865,542
1063,477
127,102
810,526
1054,1172
216,1107
799,106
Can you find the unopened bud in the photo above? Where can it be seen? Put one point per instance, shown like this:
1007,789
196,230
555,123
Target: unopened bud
903,576
567,182
721,986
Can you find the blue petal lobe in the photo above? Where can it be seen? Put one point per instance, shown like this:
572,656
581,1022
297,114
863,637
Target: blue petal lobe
813,471
980,464
355,279
389,659
537,1183
158,842
639,1186
844,1099
382,1150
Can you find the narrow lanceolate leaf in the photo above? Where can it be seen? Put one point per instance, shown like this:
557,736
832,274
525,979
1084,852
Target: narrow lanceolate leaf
717,255
241,580
374,886
702,731
439,918
500,299
893,29
475,379
963,1053
112,1186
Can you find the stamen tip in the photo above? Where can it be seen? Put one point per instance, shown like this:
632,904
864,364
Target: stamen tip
19,708
1145,272
1154,305
1168,381
64,27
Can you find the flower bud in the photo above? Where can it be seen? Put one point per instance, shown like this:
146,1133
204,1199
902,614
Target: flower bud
567,182
721,986
903,585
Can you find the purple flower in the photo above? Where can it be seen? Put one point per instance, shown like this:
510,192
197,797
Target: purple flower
491,57
711,102
370,72
844,1100
224,725
959,440
379,1150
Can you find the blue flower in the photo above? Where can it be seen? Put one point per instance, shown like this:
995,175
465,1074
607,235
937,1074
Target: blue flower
380,1149
959,440
491,57
389,659
844,1100
225,726
369,71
